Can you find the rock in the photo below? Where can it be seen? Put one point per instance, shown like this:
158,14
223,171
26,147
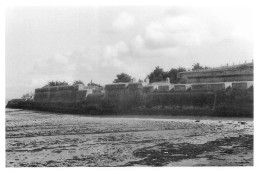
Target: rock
229,151
226,147
242,123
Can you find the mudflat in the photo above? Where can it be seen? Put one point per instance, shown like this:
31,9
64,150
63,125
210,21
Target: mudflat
40,139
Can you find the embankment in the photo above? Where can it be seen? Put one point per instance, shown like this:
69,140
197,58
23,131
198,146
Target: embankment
232,103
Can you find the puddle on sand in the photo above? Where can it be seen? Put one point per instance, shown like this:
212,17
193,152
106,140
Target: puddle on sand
190,162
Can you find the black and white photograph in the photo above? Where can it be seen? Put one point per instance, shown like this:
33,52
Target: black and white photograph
129,85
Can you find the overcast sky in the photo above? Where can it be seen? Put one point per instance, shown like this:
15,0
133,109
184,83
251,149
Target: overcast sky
71,43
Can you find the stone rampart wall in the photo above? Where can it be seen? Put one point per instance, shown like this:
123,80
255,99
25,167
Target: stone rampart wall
208,76
182,87
63,94
124,95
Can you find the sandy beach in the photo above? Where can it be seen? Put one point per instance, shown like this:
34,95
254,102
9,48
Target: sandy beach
35,139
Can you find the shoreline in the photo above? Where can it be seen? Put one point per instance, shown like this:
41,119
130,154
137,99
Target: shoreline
140,116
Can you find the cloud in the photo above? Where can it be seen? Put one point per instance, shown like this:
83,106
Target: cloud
123,21
138,42
57,67
60,59
84,64
174,31
62,67
115,50
177,11
113,54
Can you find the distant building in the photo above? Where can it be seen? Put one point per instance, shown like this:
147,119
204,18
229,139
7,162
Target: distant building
243,72
161,86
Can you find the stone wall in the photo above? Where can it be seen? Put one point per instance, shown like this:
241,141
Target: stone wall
219,86
182,87
62,94
223,74
241,85
124,95
148,88
165,88
237,101
211,86
199,87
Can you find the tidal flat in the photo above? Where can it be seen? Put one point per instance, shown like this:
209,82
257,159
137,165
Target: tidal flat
44,139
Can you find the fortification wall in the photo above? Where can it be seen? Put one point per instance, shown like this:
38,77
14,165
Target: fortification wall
165,88
241,85
217,75
182,87
232,102
63,94
133,96
180,99
124,95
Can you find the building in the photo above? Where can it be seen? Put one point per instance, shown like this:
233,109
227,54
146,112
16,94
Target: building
243,72
162,86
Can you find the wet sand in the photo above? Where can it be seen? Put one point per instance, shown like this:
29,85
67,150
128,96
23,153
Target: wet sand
35,139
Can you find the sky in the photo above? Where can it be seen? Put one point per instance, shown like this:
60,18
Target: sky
98,42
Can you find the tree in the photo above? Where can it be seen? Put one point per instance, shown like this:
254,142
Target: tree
140,80
56,83
160,75
157,75
78,82
122,78
181,69
27,96
196,66
172,74
93,84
